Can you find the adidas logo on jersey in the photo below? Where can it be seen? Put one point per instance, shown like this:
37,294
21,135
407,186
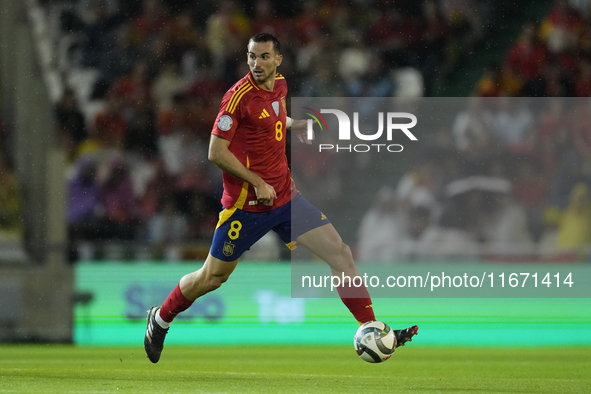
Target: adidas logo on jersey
264,114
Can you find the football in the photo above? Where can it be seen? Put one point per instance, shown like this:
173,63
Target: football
375,341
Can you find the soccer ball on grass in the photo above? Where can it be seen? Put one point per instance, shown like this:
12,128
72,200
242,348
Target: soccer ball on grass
375,341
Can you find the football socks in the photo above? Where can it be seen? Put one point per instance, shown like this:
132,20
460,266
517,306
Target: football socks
175,303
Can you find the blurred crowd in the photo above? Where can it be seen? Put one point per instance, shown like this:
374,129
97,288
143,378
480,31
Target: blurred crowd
506,179
549,59
137,131
137,136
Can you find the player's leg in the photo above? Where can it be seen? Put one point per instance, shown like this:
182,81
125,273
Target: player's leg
321,238
191,286
194,285
236,232
326,243
210,277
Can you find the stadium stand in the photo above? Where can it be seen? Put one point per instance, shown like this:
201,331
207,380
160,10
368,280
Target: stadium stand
138,83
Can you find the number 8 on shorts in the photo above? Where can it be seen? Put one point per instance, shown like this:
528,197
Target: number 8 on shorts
235,228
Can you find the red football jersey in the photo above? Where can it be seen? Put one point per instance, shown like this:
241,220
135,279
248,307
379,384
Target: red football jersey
253,120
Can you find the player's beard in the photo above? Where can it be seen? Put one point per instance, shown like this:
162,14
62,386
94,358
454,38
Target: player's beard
262,78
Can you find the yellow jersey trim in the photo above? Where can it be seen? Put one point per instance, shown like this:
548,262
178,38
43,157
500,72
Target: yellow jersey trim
238,99
237,95
227,213
242,198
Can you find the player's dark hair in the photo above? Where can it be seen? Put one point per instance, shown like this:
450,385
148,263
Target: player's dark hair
266,37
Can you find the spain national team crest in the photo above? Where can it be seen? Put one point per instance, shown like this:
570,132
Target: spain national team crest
275,105
284,104
228,248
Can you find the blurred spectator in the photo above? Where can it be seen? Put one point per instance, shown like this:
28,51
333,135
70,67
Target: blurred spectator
499,81
98,34
150,22
178,143
448,239
552,82
465,19
527,56
181,37
380,230
308,24
531,191
120,57
324,83
471,128
202,216
110,128
195,179
433,53
198,115
355,59
312,54
396,36
554,135
583,79
160,185
10,204
133,89
377,82
505,226
574,229
169,83
84,206
581,133
511,123
70,121
422,185
226,32
208,86
562,27
142,136
266,20
154,63
167,226
120,202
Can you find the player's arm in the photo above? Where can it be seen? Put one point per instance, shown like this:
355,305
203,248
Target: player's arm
220,155
300,128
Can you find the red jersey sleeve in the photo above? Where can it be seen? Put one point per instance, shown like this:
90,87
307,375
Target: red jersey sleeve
230,113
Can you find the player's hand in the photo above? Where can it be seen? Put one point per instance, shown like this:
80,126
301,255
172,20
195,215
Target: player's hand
300,128
265,193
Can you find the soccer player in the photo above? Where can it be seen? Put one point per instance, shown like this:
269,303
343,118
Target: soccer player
248,144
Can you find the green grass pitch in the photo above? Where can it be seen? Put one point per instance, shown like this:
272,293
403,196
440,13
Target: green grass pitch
297,369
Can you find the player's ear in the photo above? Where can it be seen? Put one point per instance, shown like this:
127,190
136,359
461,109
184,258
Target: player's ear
278,60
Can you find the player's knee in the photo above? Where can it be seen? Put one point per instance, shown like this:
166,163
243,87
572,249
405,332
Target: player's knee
343,250
215,282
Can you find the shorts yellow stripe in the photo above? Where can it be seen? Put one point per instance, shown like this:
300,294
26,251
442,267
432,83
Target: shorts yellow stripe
238,100
236,94
242,198
224,216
